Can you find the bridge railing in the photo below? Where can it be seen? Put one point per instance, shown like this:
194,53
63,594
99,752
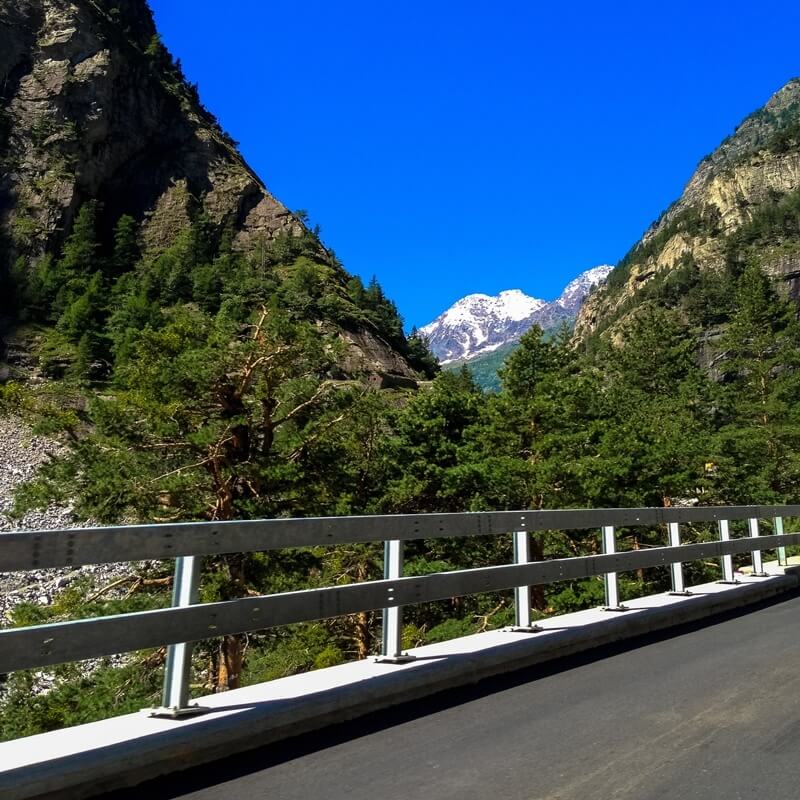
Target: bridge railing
187,621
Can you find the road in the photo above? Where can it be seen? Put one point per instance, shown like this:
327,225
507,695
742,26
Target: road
707,711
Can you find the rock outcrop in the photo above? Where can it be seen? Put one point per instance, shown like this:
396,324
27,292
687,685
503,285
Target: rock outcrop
756,166
93,107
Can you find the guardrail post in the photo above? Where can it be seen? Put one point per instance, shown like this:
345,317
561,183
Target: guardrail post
782,560
676,567
392,635
726,560
522,594
758,566
175,696
609,538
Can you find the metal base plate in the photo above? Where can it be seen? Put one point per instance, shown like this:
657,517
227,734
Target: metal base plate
615,608
730,583
523,629
685,593
401,659
759,574
176,713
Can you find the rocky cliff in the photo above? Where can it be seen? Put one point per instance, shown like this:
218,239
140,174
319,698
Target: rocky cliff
731,209
94,108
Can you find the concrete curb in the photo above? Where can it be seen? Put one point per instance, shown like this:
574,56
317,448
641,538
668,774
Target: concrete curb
87,760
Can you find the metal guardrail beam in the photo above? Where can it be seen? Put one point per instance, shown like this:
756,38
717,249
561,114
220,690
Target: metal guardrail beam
72,547
44,645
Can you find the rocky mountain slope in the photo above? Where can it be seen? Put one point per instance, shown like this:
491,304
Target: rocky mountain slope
479,324
740,203
94,108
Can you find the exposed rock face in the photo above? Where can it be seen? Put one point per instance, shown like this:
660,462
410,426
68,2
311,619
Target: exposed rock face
479,324
94,108
758,174
365,351
757,164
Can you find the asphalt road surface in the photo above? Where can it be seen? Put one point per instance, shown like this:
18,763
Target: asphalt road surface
708,711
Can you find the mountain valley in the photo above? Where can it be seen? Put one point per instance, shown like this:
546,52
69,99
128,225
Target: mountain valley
178,346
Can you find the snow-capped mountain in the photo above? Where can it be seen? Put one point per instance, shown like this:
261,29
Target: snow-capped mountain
480,323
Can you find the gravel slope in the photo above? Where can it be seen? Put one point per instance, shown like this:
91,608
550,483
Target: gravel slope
21,455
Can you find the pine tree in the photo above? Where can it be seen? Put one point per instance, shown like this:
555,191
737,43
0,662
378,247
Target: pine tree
759,441
126,248
655,444
86,313
429,432
419,354
69,277
208,420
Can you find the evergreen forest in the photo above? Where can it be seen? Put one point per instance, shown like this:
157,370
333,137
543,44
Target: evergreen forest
205,383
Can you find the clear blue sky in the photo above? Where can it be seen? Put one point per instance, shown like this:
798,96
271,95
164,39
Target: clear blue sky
457,147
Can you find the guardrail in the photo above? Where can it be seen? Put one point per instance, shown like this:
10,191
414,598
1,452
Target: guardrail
186,621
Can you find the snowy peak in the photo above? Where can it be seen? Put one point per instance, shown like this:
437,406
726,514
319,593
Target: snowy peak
576,290
479,323
516,305
476,323
511,304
